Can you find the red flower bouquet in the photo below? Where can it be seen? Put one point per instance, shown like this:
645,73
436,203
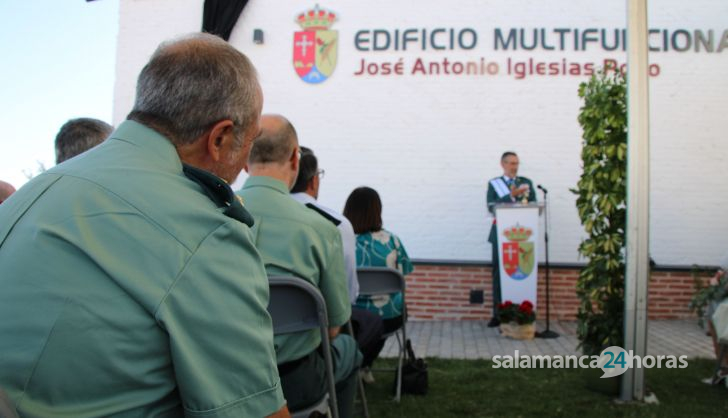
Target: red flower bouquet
522,314
517,320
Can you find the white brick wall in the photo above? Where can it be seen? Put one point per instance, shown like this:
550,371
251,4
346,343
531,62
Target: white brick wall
429,144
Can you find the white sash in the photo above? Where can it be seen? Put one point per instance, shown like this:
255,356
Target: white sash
500,187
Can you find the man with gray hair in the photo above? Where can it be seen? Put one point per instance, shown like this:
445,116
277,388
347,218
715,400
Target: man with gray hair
79,135
368,326
296,241
130,274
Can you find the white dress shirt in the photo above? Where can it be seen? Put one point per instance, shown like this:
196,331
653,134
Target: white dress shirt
348,240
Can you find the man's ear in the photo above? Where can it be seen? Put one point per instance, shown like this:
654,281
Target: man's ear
295,159
313,184
220,137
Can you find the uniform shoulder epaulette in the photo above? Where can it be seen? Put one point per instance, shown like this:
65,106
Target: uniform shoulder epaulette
220,193
323,213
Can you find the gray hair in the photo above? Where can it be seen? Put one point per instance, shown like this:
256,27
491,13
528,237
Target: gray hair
274,145
80,135
193,82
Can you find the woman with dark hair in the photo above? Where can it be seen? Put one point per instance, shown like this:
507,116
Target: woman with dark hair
376,247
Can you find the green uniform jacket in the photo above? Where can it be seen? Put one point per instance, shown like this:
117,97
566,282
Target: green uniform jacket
492,199
126,292
296,241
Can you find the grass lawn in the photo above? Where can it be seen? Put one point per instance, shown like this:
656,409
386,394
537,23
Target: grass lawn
472,388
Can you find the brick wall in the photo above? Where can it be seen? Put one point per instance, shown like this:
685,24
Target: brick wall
441,292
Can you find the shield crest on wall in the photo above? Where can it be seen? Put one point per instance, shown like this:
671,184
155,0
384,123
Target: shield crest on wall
314,54
315,47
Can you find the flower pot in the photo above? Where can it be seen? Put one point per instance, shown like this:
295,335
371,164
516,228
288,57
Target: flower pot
518,332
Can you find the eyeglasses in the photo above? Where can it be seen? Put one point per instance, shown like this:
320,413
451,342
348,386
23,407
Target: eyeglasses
320,173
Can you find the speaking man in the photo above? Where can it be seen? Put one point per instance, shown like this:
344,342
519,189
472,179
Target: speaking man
507,188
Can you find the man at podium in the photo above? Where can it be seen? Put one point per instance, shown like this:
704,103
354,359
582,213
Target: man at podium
508,188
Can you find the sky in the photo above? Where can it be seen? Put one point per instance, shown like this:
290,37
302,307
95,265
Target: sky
58,64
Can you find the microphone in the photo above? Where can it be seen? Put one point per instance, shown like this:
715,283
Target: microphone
543,189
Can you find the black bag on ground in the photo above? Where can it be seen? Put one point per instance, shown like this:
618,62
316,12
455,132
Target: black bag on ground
414,373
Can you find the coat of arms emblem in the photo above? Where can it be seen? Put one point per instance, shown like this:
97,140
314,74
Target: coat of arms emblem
518,256
315,47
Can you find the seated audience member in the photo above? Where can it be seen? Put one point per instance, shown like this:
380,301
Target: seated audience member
367,325
130,283
6,189
79,135
297,241
377,247
718,324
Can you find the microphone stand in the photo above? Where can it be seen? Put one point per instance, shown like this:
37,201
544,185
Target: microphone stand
547,333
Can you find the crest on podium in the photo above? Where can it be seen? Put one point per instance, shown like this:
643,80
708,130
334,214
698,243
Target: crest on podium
518,252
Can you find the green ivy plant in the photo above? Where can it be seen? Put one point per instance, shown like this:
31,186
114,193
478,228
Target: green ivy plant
601,202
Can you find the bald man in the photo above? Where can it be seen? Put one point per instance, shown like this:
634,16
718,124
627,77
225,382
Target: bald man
6,189
297,241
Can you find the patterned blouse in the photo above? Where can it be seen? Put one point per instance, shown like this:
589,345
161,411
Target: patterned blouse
382,249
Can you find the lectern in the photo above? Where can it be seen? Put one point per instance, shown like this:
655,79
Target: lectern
518,243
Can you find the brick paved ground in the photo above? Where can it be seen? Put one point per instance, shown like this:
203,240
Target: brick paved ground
474,340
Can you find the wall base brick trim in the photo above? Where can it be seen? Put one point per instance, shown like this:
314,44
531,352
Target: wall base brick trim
441,292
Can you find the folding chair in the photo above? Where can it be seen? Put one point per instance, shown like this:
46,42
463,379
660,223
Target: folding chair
359,381
374,281
296,305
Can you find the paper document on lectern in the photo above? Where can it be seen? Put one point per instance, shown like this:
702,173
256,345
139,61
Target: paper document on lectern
518,232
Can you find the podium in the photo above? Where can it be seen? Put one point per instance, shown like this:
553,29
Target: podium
517,226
